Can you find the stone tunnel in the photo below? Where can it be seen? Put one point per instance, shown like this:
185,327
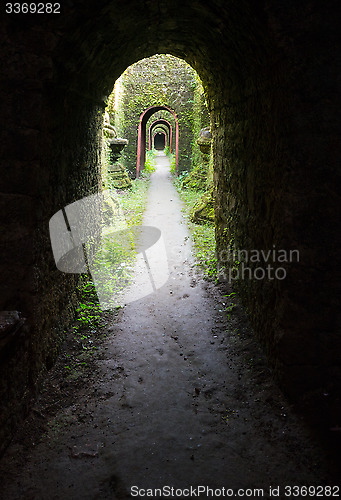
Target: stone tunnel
269,70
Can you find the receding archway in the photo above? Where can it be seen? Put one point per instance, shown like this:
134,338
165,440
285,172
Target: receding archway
161,122
141,140
159,141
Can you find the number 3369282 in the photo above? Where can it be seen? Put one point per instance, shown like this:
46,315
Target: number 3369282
32,8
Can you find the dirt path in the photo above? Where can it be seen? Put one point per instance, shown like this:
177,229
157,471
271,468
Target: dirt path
178,396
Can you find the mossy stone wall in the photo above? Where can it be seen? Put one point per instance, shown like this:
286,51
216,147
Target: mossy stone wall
161,80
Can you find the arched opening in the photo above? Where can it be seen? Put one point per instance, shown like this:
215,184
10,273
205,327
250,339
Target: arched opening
159,140
161,123
141,140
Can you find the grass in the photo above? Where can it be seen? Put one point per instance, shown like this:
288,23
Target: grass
133,201
149,165
115,260
203,235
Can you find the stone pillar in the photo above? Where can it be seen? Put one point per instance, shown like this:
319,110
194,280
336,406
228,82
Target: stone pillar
203,211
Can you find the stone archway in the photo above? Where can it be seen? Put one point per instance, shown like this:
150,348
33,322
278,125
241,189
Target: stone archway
159,140
271,83
167,127
141,140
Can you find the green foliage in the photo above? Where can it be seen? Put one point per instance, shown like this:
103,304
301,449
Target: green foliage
197,178
133,200
203,235
162,80
113,258
89,310
179,180
204,244
149,166
232,306
172,163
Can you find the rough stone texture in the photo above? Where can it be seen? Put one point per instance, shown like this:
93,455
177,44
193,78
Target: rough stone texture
203,211
10,325
118,177
199,177
113,174
271,73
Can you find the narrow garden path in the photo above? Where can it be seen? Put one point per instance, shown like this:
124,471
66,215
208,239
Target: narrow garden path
178,396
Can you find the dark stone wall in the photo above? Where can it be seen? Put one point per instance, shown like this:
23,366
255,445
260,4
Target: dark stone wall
49,157
278,186
271,73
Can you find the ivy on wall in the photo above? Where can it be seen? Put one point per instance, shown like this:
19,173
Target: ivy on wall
159,80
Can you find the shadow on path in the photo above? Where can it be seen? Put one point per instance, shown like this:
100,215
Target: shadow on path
178,396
